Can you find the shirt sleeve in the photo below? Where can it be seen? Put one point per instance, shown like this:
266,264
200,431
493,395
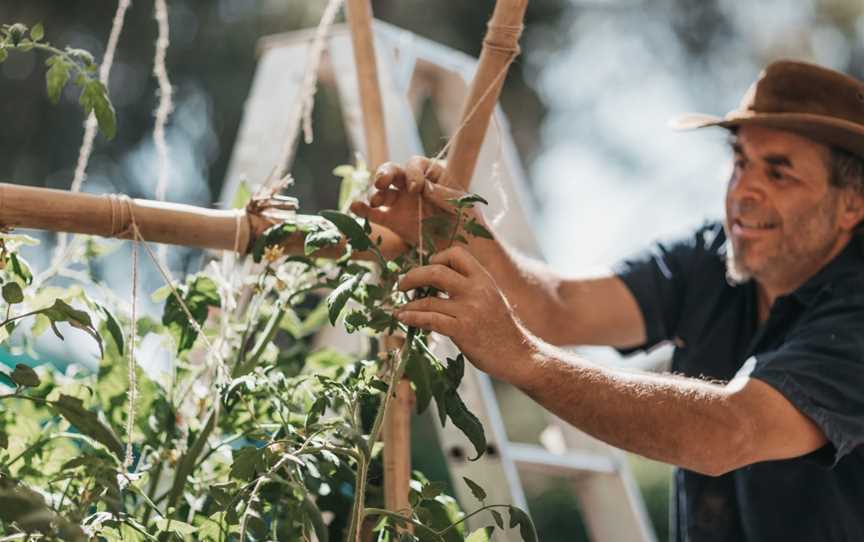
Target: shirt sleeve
659,278
820,370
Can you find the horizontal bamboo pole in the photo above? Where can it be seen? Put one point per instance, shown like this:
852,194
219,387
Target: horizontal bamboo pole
110,216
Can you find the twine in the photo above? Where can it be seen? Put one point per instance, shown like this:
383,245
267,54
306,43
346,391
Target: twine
86,148
302,111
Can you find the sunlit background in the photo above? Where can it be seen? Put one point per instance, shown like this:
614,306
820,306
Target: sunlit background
588,102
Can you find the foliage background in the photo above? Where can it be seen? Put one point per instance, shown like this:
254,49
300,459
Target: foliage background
587,104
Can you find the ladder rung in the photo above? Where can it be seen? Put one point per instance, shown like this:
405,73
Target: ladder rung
531,456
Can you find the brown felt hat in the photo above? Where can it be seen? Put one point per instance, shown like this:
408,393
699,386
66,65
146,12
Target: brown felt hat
821,104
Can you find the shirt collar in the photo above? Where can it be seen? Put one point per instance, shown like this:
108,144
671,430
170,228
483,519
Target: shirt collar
849,261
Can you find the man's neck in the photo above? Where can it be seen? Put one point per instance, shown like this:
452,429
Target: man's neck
767,291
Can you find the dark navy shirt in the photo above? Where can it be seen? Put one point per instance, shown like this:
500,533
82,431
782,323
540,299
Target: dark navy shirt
810,349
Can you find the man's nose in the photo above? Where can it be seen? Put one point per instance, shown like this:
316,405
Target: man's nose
748,183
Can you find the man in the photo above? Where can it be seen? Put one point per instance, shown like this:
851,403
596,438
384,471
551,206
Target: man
764,413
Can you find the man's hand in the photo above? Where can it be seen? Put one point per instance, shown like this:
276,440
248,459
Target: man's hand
475,314
397,191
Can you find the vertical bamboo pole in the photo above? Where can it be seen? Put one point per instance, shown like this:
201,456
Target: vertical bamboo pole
500,47
397,424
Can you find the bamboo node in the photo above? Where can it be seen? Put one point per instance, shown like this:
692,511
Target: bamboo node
503,39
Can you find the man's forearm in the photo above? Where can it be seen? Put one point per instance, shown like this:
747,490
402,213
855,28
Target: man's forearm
682,421
530,287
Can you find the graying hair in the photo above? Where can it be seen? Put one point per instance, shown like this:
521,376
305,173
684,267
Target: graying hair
846,171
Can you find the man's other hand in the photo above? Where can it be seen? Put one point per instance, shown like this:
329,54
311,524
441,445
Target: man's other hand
394,203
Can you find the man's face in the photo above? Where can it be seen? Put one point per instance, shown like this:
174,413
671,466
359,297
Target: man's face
781,212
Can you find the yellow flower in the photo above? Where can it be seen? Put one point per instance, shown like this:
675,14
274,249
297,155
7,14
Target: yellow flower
273,253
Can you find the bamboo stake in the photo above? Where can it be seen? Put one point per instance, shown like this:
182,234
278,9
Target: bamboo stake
363,41
159,222
397,423
500,47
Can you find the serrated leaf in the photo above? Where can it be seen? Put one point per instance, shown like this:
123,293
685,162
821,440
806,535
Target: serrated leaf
467,422
526,527
499,520
168,525
20,268
37,32
419,372
88,423
432,490
24,376
242,195
339,297
478,492
350,228
468,200
12,293
274,235
316,240
200,294
477,230
113,328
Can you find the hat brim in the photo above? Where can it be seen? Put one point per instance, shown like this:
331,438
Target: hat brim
828,130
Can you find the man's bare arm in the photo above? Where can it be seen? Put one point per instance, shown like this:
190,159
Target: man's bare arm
705,427
560,310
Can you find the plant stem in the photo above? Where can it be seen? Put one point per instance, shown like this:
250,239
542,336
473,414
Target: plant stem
363,464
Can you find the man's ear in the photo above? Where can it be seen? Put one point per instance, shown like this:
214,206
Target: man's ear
852,210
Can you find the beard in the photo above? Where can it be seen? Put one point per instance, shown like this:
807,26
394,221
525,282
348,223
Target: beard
807,238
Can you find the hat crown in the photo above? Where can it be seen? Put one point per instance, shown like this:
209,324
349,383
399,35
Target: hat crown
799,87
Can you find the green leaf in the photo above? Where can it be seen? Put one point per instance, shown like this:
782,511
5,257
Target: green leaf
247,461
350,228
274,235
499,520
61,311
526,527
420,373
37,32
88,423
199,294
168,525
242,196
468,200
340,295
113,328
12,293
21,269
432,490
477,230
188,461
467,422
24,376
455,370
94,98
319,239
3,54
478,492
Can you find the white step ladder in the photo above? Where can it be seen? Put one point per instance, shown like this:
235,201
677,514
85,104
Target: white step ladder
412,70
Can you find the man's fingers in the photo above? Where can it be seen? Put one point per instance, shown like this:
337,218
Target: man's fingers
415,173
389,174
432,304
430,321
458,259
383,198
363,210
437,276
